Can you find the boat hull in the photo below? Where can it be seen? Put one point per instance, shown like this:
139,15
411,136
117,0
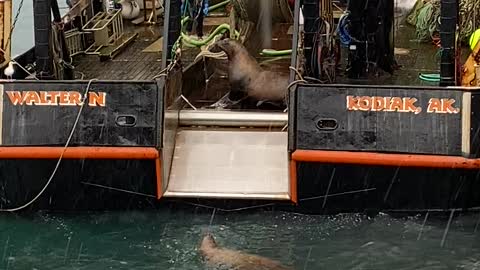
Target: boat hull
78,185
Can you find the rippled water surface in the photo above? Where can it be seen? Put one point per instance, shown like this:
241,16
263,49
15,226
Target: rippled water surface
169,239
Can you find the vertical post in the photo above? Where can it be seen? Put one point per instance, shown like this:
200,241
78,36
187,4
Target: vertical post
42,19
293,63
68,72
171,28
311,13
295,36
265,21
166,21
6,21
448,27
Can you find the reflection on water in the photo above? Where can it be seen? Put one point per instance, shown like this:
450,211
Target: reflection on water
169,240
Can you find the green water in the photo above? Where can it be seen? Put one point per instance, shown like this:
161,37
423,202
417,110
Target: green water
167,239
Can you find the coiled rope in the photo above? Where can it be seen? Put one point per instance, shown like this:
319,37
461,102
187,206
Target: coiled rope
425,16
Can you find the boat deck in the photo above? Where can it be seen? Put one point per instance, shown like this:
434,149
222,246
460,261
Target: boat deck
140,60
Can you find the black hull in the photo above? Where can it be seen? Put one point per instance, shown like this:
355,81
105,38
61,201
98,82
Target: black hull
78,185
118,185
370,190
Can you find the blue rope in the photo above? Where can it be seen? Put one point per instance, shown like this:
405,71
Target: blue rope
205,8
345,37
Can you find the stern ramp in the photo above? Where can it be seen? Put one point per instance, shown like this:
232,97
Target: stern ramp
230,155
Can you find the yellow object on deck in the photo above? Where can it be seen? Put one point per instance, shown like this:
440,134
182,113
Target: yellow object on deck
474,39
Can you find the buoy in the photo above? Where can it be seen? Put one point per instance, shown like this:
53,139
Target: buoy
130,9
9,70
474,39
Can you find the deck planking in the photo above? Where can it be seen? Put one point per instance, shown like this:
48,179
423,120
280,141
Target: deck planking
130,64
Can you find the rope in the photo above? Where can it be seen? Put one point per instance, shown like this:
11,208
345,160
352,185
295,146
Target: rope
342,29
425,16
56,51
273,204
13,24
164,72
205,51
60,158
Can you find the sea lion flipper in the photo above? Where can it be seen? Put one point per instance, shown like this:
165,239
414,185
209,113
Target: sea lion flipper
260,102
225,102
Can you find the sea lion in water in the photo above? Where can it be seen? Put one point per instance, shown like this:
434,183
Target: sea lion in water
248,79
224,258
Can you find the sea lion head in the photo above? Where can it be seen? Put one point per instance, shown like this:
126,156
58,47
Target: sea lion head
208,241
229,46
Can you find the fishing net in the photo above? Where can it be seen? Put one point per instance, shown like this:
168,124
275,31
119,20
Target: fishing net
425,16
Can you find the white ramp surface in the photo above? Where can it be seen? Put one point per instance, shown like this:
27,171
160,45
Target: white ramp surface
230,164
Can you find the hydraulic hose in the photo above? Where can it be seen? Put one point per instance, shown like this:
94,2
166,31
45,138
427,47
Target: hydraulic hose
219,30
275,53
434,77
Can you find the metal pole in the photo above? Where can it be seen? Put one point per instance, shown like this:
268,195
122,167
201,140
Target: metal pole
42,18
232,118
296,26
448,27
166,23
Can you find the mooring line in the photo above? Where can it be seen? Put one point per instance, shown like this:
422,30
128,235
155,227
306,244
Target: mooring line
119,189
391,185
212,217
271,204
337,194
52,175
328,188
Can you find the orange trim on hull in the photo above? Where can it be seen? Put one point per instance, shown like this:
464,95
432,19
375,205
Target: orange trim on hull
384,159
81,152
293,181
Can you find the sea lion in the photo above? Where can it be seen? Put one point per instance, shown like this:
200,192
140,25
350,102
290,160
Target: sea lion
224,258
248,79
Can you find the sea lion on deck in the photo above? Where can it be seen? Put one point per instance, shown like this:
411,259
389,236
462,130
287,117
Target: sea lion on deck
223,258
248,79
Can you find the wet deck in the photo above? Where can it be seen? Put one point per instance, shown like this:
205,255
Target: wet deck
132,63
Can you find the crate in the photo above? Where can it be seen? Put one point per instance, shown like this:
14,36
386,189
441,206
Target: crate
107,28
